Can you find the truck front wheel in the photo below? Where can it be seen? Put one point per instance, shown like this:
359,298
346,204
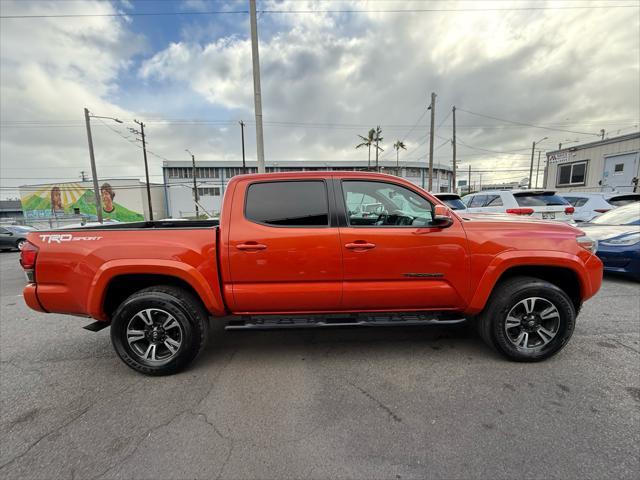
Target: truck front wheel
159,330
527,319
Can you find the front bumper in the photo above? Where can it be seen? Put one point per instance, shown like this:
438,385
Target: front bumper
622,260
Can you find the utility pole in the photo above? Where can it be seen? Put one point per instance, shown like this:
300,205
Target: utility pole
480,188
453,144
377,147
244,165
602,133
538,168
469,184
146,166
256,85
195,185
432,107
92,157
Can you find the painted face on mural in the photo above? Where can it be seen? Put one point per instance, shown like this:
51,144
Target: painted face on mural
56,199
107,194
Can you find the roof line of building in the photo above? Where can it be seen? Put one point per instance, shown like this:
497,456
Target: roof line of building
621,138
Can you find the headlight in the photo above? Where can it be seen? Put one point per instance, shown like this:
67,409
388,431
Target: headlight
587,243
623,240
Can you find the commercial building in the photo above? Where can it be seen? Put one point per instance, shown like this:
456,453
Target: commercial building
212,178
612,164
123,200
10,210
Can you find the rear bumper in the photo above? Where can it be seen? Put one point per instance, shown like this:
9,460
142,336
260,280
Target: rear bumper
31,298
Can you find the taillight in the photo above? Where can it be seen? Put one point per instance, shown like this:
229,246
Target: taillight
602,210
28,256
569,210
520,211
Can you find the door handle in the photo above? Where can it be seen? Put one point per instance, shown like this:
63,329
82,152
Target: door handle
251,246
359,244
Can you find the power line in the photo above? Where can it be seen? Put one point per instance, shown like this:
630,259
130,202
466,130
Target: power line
526,124
316,11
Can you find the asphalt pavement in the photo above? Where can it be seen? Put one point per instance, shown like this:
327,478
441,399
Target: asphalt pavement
393,403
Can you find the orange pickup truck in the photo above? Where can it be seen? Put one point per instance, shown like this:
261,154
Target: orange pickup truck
310,250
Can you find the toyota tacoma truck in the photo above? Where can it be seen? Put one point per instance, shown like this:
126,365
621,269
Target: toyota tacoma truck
299,250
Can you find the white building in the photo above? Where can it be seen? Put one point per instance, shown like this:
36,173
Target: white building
605,165
212,178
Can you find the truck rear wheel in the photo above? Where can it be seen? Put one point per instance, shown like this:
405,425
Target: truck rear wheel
527,319
159,330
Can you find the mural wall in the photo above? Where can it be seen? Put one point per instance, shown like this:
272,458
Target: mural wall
120,202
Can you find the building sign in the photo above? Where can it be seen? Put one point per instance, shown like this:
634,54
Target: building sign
558,157
58,199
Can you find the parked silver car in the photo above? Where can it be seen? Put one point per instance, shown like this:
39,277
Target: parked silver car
589,205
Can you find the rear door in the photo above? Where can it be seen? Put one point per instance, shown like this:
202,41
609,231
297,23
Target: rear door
396,260
284,253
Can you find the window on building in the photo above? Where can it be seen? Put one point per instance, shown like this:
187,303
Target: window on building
619,168
208,191
572,174
288,204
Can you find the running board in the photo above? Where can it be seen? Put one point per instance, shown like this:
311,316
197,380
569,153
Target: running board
96,326
258,322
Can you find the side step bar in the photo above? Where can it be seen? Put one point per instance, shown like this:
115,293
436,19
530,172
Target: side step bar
264,322
96,326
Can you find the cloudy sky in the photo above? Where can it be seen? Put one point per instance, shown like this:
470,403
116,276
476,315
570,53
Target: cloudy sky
516,70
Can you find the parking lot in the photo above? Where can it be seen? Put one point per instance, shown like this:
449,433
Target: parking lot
341,403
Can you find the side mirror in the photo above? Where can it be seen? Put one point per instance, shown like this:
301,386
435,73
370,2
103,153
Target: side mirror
441,217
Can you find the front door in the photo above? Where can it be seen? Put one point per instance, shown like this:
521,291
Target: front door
393,258
284,255
619,171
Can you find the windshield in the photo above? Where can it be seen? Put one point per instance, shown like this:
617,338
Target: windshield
627,215
546,199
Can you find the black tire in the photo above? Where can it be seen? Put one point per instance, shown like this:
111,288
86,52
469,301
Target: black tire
160,302
513,296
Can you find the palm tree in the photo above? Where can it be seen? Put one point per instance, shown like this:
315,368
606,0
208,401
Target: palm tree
398,145
378,138
367,142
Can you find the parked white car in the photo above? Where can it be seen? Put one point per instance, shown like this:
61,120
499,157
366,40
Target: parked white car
543,204
589,205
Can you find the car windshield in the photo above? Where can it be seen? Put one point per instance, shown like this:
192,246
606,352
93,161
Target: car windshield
623,200
542,199
626,215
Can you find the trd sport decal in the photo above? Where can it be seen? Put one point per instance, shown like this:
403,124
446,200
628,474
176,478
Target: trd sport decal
65,237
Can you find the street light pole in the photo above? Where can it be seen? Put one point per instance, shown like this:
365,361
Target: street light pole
92,157
533,149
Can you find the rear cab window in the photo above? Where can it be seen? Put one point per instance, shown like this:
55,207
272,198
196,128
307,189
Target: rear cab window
539,199
288,203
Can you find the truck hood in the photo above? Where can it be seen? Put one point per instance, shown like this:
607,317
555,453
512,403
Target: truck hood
491,218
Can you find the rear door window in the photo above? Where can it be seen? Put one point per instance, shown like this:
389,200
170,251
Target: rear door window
545,199
288,204
478,201
493,201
